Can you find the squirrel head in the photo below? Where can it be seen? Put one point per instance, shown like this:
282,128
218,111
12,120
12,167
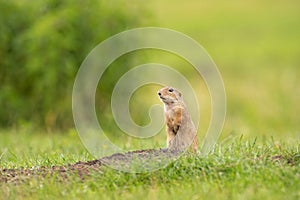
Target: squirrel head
169,95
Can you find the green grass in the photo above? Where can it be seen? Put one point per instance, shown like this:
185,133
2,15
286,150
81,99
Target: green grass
237,169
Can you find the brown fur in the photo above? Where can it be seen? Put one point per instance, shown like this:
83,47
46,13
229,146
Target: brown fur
181,131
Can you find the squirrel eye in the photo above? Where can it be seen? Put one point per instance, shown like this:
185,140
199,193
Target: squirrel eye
171,90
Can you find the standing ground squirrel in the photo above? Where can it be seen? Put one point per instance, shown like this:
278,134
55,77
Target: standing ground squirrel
181,131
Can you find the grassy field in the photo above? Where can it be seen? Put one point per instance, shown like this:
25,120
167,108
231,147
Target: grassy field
255,44
237,169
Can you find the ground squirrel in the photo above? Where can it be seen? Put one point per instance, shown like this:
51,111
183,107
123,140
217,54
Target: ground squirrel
181,131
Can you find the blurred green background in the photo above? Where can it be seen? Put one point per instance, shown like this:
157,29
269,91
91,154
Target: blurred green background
255,44
42,44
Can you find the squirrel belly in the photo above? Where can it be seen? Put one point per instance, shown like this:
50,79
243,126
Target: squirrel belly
181,131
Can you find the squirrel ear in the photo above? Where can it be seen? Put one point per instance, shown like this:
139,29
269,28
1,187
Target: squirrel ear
179,94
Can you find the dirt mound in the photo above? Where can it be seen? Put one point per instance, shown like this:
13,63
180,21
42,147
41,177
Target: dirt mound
134,161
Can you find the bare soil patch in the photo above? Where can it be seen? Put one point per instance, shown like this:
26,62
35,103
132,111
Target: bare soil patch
83,169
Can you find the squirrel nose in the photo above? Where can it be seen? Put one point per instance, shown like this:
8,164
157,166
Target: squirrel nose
159,93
